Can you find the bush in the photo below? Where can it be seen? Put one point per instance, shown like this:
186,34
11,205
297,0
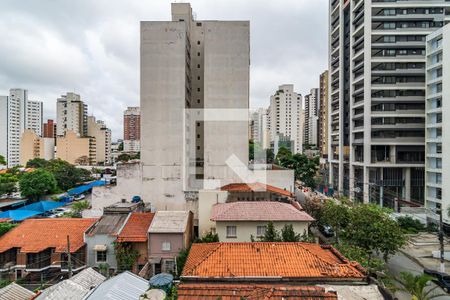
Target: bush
410,225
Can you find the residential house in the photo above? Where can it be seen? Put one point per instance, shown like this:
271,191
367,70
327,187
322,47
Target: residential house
40,246
169,233
13,291
124,286
100,240
134,237
262,270
74,288
187,291
240,221
255,192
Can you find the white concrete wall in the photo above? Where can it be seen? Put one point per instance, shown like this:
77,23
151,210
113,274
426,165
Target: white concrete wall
206,200
244,230
4,127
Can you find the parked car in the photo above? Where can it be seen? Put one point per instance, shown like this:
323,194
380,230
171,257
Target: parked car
79,197
58,212
442,279
326,230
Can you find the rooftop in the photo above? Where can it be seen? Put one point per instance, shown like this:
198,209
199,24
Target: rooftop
255,187
136,228
299,261
125,286
258,211
108,224
169,222
36,235
16,292
252,291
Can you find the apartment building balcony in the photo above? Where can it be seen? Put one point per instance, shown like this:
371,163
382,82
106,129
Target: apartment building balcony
359,31
358,78
376,72
434,95
398,85
359,55
398,141
399,58
399,17
399,112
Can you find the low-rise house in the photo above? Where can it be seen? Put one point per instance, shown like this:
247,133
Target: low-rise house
100,240
240,221
74,288
169,233
125,286
39,245
214,291
265,262
13,291
134,237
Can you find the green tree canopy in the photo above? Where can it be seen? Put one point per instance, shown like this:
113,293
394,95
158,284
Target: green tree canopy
2,160
336,215
416,284
66,174
5,227
289,235
371,229
37,163
271,234
123,157
304,167
8,183
37,183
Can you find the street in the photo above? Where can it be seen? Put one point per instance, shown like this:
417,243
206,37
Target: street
400,263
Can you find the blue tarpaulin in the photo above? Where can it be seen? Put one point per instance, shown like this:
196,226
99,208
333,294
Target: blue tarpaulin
30,210
84,188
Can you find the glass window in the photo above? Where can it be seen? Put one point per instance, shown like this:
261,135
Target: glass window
169,266
166,246
101,256
231,231
260,230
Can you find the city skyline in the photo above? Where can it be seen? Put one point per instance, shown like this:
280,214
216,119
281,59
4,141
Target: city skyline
102,42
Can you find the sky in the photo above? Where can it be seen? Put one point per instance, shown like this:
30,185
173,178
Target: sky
92,48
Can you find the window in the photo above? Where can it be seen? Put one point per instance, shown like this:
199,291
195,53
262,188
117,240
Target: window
198,42
231,231
166,246
169,265
199,24
260,231
101,256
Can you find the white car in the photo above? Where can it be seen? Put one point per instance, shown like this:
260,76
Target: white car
79,197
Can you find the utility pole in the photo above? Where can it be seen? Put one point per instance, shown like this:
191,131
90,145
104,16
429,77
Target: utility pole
441,240
69,258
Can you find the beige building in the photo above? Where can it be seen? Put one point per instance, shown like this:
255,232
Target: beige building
102,135
33,146
323,115
76,150
71,114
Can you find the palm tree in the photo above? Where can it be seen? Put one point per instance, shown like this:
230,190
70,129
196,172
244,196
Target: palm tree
415,285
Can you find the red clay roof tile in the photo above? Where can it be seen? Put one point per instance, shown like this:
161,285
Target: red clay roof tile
35,235
255,187
136,228
301,261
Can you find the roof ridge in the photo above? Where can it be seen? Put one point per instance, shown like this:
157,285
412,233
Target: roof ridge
218,245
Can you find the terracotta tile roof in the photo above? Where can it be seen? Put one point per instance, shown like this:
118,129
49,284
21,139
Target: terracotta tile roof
136,228
35,235
2,220
300,261
255,187
258,211
252,292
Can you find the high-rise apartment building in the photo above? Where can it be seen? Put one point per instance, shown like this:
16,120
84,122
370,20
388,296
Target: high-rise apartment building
49,129
34,116
323,115
71,114
258,129
437,166
377,97
33,146
17,113
286,116
194,94
102,136
311,132
132,129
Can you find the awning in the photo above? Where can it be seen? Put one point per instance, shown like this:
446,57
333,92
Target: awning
155,260
100,247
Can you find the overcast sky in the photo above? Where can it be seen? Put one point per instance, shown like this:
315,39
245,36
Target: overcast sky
91,47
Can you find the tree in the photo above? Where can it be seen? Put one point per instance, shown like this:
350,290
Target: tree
270,156
126,256
288,234
314,207
123,157
2,160
371,229
306,169
271,234
37,183
181,259
284,158
208,238
415,285
337,216
120,148
82,160
66,174
8,183
37,163
5,227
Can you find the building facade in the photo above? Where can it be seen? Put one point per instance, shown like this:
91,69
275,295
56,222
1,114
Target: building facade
33,146
377,97
194,84
49,130
437,134
71,114
132,129
311,132
102,136
76,150
17,114
286,116
323,115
